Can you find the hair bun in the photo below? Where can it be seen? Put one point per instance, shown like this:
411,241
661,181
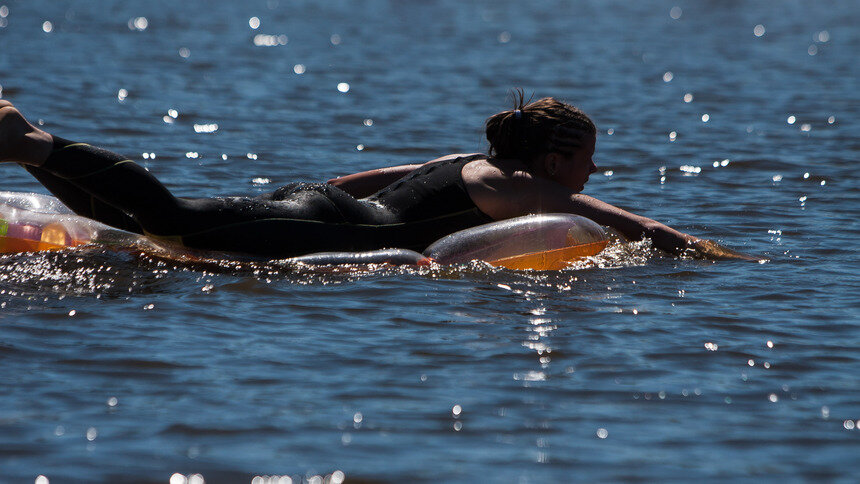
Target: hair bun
511,138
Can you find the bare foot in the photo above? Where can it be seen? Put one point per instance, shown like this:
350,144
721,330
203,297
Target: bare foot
20,141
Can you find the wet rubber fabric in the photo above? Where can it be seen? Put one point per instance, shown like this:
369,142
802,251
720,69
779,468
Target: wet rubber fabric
296,219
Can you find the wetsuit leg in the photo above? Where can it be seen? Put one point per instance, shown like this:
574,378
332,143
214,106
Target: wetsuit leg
82,203
312,218
110,178
127,187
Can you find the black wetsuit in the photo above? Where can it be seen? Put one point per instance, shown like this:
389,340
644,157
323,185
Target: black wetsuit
296,219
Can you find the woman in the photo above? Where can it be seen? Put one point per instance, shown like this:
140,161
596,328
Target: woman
539,160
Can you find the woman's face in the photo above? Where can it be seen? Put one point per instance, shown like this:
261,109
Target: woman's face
573,170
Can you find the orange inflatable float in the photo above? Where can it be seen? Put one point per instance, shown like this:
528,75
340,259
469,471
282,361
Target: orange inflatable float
33,222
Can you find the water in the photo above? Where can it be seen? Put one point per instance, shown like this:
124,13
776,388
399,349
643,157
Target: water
639,366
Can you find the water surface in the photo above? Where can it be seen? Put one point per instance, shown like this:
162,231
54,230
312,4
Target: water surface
636,366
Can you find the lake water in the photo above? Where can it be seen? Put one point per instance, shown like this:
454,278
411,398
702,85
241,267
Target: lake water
731,120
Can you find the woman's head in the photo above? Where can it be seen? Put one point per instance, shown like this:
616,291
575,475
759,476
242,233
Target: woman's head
532,129
542,133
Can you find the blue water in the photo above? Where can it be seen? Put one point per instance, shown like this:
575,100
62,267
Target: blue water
635,366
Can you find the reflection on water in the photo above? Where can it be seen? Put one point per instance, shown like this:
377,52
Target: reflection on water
91,270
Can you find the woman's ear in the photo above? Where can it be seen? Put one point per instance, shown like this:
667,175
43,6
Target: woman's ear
551,162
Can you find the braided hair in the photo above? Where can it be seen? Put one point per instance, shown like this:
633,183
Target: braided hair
532,129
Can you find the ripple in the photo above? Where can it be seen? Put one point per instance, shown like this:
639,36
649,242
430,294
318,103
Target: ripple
216,361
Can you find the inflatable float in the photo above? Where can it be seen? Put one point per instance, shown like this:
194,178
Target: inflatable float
32,222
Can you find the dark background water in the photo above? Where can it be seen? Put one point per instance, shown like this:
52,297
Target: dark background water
602,372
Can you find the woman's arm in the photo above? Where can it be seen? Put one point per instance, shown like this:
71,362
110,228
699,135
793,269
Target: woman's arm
515,194
366,183
637,227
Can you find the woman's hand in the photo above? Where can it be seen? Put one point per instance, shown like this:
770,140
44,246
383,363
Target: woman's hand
708,249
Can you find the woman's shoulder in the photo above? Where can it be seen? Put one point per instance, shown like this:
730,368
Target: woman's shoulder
492,171
502,188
